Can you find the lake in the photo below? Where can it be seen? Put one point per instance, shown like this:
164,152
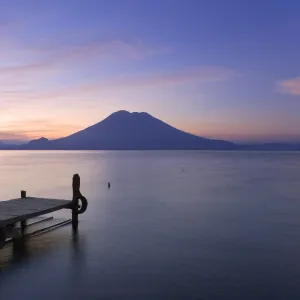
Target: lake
174,225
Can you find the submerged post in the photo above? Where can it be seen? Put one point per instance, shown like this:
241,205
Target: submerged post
75,200
23,223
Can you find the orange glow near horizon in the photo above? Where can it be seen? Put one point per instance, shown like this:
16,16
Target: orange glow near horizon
34,129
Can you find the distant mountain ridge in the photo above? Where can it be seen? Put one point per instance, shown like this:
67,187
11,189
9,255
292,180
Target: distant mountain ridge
123,130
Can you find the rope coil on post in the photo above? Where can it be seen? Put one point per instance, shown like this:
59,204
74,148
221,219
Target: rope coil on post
83,206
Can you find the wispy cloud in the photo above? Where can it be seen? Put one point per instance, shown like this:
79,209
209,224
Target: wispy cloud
199,74
10,135
290,86
48,58
30,129
196,75
43,70
113,85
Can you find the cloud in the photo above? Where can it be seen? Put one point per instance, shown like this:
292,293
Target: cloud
178,77
31,129
8,135
114,85
290,86
27,77
196,75
51,58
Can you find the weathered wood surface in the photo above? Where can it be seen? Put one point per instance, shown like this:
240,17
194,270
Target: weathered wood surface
20,209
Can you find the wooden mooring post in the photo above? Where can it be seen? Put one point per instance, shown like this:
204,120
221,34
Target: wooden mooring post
76,195
76,209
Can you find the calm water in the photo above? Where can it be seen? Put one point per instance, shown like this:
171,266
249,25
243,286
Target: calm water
174,225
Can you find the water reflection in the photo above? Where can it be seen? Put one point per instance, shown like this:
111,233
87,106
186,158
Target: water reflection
77,257
22,250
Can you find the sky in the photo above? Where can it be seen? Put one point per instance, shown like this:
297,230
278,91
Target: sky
219,69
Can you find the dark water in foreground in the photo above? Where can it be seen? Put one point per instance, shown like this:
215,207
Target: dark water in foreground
226,227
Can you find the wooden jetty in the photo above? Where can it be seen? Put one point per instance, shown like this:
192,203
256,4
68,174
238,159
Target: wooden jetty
16,212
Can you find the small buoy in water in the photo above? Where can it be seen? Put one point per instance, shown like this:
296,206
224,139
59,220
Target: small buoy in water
108,185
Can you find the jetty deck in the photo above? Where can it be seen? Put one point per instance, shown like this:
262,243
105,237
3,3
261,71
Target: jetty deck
21,209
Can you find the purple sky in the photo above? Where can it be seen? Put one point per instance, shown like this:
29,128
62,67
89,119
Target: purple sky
224,69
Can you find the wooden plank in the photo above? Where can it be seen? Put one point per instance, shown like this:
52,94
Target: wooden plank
20,209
